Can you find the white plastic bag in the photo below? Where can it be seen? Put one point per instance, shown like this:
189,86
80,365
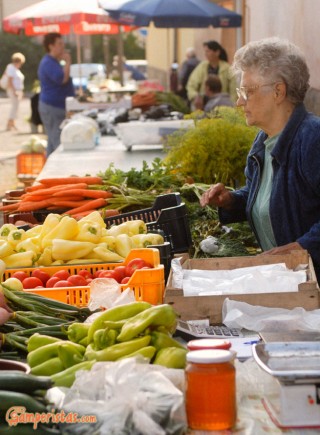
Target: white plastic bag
4,81
128,396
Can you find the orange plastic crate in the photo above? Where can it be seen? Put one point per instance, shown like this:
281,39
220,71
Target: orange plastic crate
30,164
148,284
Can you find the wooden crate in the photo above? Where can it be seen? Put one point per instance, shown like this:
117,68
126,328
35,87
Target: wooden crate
210,307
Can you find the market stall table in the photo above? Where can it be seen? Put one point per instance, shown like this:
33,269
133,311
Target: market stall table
63,163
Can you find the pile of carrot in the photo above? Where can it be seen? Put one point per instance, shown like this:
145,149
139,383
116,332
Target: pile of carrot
76,195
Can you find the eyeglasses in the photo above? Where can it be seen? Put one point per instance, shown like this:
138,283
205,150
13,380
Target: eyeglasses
244,92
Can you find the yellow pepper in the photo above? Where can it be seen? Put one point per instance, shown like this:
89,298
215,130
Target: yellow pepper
45,258
49,223
85,261
31,244
16,236
5,248
144,240
70,249
124,244
66,229
89,231
136,226
109,241
21,259
34,231
115,230
102,252
96,217
6,229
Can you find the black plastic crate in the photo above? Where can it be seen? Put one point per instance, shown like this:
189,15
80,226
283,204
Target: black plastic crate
167,214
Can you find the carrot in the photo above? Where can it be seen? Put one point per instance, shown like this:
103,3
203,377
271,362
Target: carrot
69,203
71,180
60,188
10,207
110,212
31,206
86,193
91,205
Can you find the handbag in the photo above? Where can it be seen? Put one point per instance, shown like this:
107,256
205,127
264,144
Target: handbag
4,81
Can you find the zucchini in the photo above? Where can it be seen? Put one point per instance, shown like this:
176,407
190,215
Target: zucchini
11,380
13,398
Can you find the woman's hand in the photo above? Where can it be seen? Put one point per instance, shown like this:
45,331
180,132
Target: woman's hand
285,249
217,195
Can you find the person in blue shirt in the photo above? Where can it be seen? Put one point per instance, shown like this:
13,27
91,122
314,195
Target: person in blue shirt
281,198
56,85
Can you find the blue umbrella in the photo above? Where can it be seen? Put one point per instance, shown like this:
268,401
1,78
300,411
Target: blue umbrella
171,13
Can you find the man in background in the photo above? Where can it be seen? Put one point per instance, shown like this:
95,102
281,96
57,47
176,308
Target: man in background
186,69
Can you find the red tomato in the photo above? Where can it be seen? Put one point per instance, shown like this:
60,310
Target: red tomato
62,274
31,282
119,273
107,274
20,275
125,279
52,281
97,273
135,264
89,280
85,273
77,280
41,274
62,283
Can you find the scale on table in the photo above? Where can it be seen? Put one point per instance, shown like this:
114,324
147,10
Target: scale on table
296,368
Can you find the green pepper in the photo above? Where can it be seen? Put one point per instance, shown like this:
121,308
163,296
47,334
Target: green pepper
146,352
160,340
155,316
67,377
48,351
171,357
38,340
112,353
109,324
77,331
48,367
103,338
69,356
116,313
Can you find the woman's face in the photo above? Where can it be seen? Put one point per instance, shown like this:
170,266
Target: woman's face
57,48
211,55
257,99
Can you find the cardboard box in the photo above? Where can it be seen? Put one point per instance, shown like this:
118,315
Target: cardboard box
210,307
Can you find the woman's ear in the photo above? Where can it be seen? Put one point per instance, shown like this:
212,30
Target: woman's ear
280,91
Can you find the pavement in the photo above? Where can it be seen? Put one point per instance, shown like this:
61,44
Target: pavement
11,141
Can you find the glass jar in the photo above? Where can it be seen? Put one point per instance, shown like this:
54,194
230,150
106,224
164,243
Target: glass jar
210,390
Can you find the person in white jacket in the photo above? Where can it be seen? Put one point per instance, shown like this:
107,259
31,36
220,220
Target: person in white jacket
15,87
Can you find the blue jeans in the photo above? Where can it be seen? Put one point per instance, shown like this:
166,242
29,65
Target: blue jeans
52,118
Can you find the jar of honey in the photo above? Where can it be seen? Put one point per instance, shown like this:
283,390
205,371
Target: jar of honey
210,390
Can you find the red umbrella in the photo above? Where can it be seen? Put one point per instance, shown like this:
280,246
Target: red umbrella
82,17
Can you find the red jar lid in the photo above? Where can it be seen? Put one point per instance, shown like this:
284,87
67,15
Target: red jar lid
208,343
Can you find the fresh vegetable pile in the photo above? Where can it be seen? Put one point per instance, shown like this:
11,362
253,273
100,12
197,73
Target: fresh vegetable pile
18,389
123,331
64,240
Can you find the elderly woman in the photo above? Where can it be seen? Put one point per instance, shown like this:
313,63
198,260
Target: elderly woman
15,87
281,198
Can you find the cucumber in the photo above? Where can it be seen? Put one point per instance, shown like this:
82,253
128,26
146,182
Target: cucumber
11,380
27,429
13,398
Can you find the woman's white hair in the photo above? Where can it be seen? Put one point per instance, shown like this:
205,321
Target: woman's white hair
278,60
